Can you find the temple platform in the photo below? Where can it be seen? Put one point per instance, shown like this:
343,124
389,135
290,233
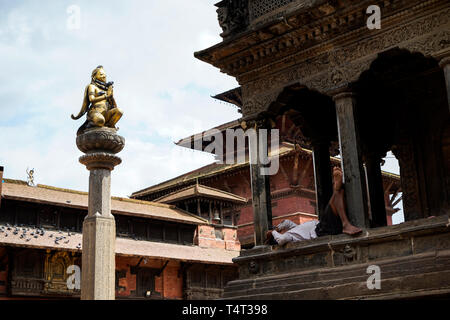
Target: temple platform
413,257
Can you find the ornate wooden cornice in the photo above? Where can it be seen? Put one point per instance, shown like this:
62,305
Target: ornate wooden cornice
301,29
339,66
324,52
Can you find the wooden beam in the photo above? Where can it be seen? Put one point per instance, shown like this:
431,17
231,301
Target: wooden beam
388,189
295,171
261,197
354,177
283,172
322,175
158,274
394,195
445,65
396,202
305,170
375,191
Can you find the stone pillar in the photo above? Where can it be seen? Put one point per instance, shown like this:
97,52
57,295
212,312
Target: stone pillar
354,178
261,198
445,65
322,174
99,228
376,191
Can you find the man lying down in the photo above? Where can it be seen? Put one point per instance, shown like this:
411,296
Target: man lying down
334,220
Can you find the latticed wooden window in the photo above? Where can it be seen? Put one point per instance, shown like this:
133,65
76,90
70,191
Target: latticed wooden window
26,215
7,212
213,279
140,229
122,226
197,277
155,231
259,8
68,220
171,233
48,217
187,235
28,264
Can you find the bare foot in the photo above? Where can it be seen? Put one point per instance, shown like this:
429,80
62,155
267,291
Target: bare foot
351,230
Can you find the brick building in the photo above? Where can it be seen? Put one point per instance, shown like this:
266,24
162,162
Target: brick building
162,252
292,189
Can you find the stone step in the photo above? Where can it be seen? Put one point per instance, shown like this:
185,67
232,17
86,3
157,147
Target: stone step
398,287
330,273
294,282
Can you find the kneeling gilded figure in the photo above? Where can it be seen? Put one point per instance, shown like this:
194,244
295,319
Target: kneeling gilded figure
99,103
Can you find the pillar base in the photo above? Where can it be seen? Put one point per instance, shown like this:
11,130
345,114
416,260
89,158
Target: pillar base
98,258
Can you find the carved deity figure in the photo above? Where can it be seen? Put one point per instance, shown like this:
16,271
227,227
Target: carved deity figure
30,178
232,15
99,103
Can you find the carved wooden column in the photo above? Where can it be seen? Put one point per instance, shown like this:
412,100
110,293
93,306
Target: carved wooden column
199,210
322,174
210,212
354,178
412,202
261,198
376,190
445,65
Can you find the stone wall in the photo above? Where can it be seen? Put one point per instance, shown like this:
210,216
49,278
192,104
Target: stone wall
413,257
217,236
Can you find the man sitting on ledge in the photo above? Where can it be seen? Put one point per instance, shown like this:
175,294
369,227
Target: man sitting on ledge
334,220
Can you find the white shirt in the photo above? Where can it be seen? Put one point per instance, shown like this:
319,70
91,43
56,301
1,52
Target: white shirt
295,232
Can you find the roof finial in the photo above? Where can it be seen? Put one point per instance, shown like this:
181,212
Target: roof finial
30,178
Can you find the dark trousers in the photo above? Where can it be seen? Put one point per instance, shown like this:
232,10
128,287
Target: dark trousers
329,224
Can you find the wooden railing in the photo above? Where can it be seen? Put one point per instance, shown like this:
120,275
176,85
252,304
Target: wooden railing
27,286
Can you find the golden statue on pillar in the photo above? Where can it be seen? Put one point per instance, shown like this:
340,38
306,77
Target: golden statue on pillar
99,103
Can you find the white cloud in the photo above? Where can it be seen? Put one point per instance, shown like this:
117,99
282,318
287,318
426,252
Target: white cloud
146,47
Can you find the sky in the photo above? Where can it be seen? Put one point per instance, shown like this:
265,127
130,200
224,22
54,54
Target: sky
147,49
48,50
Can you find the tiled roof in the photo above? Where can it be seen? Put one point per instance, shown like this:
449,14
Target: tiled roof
203,191
124,247
204,172
19,190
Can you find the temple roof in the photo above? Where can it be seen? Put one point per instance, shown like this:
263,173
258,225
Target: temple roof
199,190
209,170
188,142
233,96
19,190
215,169
126,247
